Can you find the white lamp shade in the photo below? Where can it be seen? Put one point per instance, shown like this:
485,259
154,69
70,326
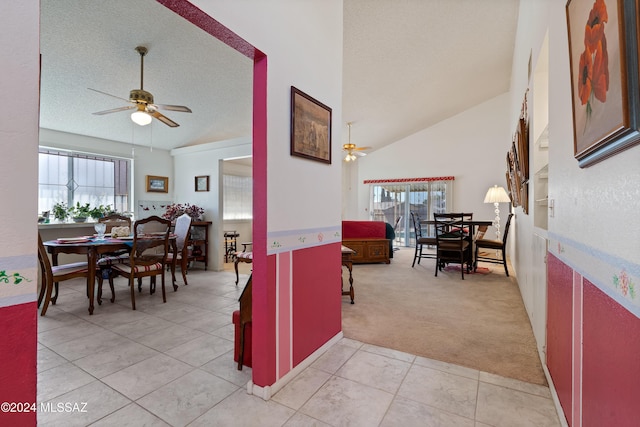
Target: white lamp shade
496,194
141,118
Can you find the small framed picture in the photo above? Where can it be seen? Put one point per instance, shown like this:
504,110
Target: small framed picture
157,184
202,183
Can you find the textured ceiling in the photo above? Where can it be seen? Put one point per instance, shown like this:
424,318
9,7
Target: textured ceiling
91,44
408,64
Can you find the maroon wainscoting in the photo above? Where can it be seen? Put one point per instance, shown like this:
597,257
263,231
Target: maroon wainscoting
18,343
559,327
611,362
263,325
317,315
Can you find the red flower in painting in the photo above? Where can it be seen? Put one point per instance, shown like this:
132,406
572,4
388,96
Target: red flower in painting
594,30
593,72
600,74
585,74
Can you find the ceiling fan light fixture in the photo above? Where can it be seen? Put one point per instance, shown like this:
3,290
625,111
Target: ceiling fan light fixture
141,118
350,157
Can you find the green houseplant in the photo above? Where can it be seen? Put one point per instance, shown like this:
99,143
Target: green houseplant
60,211
79,212
100,211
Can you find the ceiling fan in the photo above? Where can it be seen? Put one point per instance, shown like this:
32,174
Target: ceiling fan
352,150
143,102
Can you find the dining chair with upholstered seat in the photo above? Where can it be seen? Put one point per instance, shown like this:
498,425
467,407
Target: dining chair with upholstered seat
422,239
148,254
494,246
52,275
107,260
452,243
182,230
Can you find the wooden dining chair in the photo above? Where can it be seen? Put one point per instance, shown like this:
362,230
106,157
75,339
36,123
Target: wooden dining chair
148,254
494,246
182,231
52,275
107,260
422,240
452,243
115,220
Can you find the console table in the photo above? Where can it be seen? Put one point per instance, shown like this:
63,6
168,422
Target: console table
369,250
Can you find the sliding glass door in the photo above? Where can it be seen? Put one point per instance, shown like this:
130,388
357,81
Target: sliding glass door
393,202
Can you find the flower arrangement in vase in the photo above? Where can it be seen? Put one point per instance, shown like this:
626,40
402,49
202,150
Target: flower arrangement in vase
174,210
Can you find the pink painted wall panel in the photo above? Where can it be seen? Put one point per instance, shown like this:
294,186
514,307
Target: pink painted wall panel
611,362
18,361
317,315
284,315
559,329
576,414
263,358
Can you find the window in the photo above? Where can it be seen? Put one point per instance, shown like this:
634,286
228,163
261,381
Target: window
397,199
237,197
70,177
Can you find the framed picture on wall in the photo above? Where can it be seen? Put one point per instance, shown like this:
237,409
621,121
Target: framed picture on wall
202,183
310,127
157,184
603,58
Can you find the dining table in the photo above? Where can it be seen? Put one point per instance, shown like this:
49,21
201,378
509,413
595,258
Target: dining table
469,224
93,248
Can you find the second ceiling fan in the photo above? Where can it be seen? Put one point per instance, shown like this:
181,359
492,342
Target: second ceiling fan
352,150
143,103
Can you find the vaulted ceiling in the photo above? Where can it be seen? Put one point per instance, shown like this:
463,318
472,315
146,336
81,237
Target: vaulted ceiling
407,65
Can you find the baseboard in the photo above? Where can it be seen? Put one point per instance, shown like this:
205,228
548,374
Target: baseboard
267,391
554,395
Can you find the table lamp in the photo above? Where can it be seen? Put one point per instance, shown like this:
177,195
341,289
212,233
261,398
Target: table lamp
496,195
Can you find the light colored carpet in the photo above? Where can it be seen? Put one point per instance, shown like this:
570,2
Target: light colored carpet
479,322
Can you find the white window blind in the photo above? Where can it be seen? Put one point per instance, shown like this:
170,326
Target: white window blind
237,196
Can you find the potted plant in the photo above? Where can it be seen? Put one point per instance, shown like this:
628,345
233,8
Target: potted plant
60,211
100,211
79,212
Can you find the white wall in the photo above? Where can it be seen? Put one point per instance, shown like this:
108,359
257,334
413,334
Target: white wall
19,62
585,197
298,57
206,159
470,146
582,197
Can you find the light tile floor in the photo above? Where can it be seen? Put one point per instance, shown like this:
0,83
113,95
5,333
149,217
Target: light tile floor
172,365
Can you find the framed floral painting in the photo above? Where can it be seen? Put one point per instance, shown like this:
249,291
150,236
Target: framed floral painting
603,51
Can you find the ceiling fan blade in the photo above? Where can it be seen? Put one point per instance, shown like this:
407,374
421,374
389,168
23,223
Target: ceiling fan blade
359,154
180,108
114,110
164,119
108,94
362,148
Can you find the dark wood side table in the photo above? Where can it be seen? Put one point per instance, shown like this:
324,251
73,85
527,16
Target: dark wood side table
200,241
347,261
